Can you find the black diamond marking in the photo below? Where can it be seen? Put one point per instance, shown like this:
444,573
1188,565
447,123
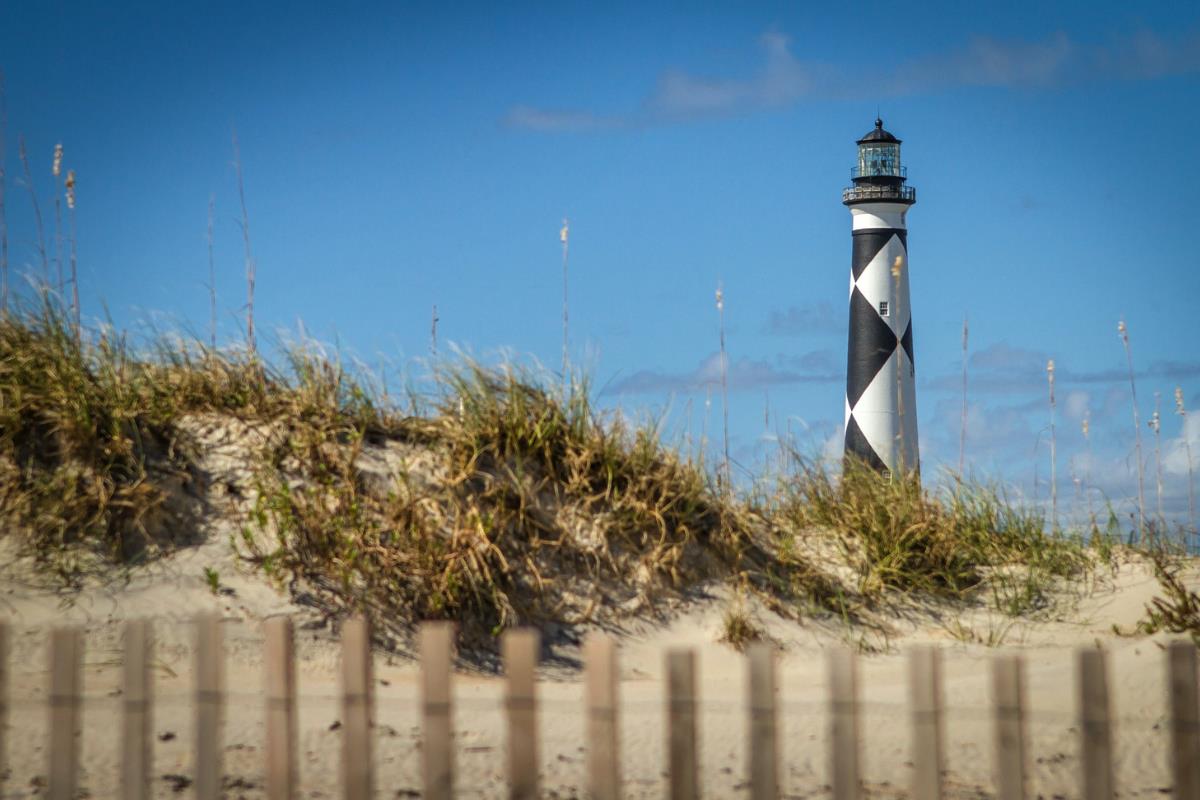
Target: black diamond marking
868,243
871,345
906,343
858,447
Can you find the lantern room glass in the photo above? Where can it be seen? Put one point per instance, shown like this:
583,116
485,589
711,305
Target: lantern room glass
879,160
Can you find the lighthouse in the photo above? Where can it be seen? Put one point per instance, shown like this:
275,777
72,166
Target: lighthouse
881,400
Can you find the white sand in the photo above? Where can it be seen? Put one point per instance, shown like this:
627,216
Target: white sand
172,590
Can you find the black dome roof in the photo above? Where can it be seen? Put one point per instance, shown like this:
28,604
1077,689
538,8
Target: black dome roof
878,135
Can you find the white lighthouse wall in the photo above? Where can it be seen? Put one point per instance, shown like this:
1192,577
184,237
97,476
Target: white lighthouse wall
890,427
877,215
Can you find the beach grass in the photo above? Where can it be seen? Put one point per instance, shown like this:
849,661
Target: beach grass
519,503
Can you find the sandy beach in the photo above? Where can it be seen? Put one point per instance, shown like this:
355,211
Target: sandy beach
172,590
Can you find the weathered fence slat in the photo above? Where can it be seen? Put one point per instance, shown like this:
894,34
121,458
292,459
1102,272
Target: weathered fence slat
764,749
356,709
66,657
209,701
603,743
138,694
280,664
520,651
1094,729
925,686
3,703
681,724
1008,697
1185,718
437,746
843,684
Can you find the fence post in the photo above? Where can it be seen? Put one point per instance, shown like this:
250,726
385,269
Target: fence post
1094,730
437,747
520,651
1185,718
356,709
3,703
925,676
1008,695
843,680
603,743
681,723
281,708
138,694
764,751
209,689
66,655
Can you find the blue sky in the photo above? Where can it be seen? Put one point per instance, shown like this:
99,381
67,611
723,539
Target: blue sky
398,156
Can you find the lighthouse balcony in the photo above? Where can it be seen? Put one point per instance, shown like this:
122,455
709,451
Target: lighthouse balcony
866,193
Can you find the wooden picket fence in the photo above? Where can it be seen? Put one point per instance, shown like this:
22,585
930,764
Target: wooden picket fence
520,650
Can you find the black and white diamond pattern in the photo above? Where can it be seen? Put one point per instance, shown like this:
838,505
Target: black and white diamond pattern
881,419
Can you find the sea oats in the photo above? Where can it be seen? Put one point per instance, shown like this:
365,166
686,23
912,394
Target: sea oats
724,387
1187,449
1154,426
1053,450
1123,331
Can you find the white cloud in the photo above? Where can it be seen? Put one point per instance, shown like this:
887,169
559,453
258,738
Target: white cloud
784,79
833,447
990,62
1076,403
1004,369
1175,452
743,374
565,120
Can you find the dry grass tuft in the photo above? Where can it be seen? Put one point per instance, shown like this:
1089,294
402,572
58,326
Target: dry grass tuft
739,629
900,537
75,438
1177,610
543,514
91,458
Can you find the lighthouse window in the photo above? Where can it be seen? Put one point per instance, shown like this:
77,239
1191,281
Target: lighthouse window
879,159
883,308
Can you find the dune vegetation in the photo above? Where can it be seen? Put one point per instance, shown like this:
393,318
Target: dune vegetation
496,499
